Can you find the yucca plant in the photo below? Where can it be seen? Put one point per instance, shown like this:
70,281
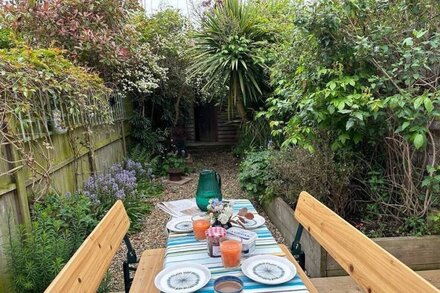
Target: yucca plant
228,49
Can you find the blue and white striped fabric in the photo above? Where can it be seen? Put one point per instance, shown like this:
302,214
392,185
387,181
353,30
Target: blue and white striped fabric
185,248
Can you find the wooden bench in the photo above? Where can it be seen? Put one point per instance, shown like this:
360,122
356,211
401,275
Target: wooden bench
371,267
86,269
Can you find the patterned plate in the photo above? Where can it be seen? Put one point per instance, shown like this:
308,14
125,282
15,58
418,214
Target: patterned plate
268,269
180,225
182,278
256,222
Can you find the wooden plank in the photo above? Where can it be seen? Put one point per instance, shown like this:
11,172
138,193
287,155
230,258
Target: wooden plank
419,253
149,266
372,267
299,270
282,216
347,285
87,267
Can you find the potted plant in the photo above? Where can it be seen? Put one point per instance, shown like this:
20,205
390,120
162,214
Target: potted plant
175,167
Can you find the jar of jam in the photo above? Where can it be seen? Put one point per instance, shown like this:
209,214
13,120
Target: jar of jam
213,236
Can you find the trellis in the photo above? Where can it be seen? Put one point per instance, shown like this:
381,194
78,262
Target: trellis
33,125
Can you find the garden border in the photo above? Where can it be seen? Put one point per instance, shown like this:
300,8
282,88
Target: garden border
419,253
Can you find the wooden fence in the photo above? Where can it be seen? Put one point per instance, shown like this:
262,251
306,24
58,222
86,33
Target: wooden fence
75,156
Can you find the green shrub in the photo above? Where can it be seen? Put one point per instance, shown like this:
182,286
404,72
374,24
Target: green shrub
148,189
255,173
59,226
74,211
253,134
120,183
7,38
161,164
140,153
319,173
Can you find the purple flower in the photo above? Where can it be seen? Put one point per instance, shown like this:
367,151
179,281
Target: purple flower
117,184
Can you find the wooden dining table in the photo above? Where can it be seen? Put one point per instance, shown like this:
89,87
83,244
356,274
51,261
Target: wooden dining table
184,248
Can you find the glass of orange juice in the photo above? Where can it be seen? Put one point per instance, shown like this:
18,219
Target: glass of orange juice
230,250
201,223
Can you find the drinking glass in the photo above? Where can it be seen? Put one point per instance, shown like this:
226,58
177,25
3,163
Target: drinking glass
201,223
230,250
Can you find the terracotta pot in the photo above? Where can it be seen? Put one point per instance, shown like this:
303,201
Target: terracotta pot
175,174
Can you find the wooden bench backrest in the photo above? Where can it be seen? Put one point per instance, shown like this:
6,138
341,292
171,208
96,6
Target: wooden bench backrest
88,266
372,267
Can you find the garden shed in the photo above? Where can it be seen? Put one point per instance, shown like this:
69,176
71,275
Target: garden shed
209,123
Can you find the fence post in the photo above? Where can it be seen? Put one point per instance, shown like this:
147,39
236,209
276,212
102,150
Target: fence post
18,176
91,152
20,185
124,142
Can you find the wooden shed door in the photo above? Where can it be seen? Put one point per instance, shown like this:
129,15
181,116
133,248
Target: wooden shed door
206,122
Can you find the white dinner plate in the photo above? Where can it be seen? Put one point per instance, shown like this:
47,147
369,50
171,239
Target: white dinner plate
268,269
180,225
256,222
182,278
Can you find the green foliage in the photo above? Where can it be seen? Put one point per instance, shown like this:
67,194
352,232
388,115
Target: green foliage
145,136
434,222
59,226
149,189
361,72
73,211
120,183
253,135
139,153
162,163
322,173
255,173
33,79
95,34
229,49
136,208
7,38
415,226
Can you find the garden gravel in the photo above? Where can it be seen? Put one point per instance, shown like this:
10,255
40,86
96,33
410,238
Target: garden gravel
153,234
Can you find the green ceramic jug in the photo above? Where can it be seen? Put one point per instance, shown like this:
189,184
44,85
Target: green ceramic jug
209,187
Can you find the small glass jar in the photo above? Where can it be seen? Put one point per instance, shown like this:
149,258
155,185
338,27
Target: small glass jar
213,236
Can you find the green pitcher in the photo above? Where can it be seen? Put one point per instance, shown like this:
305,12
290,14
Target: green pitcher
209,187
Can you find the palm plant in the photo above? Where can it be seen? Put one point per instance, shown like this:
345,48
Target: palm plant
228,50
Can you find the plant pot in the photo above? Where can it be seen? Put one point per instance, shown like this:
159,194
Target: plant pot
56,122
175,174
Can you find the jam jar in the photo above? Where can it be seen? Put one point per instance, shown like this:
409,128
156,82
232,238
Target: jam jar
213,236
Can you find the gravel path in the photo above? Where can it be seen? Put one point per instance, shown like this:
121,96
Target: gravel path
153,231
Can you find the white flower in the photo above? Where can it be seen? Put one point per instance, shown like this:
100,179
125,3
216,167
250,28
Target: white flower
228,211
224,219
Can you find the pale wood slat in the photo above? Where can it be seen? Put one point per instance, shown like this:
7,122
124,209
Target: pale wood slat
346,284
88,266
150,264
372,267
299,270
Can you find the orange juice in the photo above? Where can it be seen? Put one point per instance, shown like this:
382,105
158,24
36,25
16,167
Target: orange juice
200,226
231,253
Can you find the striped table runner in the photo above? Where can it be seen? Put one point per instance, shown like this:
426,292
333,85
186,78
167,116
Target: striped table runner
185,248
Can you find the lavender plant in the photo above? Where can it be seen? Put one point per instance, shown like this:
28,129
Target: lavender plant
120,183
